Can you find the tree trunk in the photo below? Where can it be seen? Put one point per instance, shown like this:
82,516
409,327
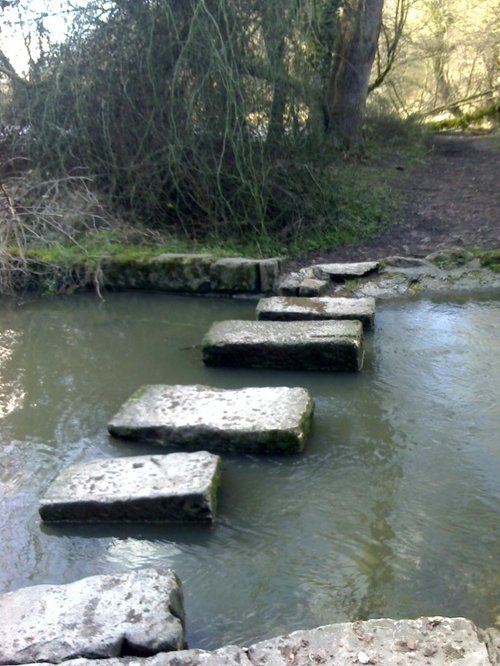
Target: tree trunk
274,26
347,86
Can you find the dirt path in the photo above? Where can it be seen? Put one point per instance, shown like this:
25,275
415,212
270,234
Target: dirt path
451,200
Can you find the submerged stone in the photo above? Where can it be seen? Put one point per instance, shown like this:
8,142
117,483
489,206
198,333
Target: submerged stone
344,271
135,613
298,345
282,308
180,487
258,420
435,641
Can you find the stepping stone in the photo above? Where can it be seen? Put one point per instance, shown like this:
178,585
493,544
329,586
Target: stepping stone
180,487
257,420
135,613
283,308
298,345
343,271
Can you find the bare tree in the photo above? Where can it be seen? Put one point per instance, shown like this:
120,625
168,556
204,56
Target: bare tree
348,82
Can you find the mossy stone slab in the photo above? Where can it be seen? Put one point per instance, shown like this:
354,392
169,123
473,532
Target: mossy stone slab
235,275
176,273
140,612
297,345
283,308
180,487
257,420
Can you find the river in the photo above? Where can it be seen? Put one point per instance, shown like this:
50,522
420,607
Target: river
392,511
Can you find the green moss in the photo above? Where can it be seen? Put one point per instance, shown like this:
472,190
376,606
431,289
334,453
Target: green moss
466,120
490,258
415,287
452,258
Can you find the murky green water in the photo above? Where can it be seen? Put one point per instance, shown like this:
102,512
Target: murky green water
392,511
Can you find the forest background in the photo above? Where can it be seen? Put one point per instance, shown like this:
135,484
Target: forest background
242,126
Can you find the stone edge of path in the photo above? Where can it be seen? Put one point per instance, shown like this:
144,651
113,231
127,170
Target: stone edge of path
167,272
137,613
171,488
454,270
429,641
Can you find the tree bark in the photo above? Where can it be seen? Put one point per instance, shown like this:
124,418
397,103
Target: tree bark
347,86
274,26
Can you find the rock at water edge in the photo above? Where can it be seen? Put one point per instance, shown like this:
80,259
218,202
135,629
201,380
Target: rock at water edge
230,655
179,487
235,275
344,271
135,613
427,641
258,420
175,273
297,345
282,308
269,274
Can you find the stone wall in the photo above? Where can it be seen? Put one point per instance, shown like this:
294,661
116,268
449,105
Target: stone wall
172,273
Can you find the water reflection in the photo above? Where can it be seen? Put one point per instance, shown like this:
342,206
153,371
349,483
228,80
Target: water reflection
391,511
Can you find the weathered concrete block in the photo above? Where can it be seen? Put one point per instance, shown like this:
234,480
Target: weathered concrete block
344,271
313,287
299,345
282,308
269,273
180,487
189,273
235,275
426,641
135,613
258,420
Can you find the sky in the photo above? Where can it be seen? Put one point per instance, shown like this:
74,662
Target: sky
16,24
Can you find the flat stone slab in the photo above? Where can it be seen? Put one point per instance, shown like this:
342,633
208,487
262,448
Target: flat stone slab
344,271
135,613
258,420
179,487
298,345
283,308
434,641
